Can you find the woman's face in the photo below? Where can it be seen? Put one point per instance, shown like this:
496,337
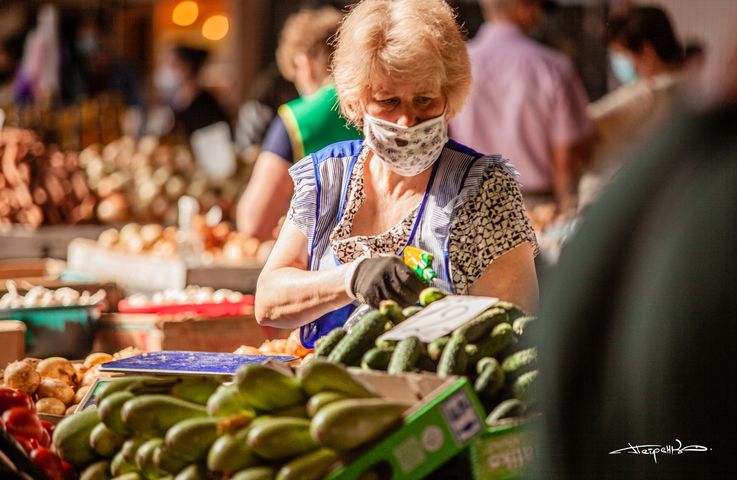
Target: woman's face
403,104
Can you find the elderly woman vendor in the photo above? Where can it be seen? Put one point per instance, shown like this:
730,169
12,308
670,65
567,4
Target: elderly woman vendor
401,72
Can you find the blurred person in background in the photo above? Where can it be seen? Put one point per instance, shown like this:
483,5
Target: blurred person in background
646,57
302,126
526,102
176,78
96,71
267,93
37,80
11,52
638,321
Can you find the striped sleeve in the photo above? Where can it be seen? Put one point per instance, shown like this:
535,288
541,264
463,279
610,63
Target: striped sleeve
303,206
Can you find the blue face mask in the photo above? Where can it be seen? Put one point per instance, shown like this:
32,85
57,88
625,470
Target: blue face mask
623,67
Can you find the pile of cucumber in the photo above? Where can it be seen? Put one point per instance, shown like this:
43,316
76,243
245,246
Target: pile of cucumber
492,350
265,425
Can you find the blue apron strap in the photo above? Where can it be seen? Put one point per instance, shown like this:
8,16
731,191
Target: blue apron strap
423,203
308,334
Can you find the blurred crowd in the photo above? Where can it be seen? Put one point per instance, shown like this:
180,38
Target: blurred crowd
527,101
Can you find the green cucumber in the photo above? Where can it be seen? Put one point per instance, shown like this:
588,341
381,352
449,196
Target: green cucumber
361,338
522,388
520,362
411,310
508,408
453,360
377,358
501,337
513,311
481,325
435,348
491,379
521,323
430,295
392,311
326,344
405,356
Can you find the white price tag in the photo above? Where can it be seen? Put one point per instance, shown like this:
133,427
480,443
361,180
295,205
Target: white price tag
440,318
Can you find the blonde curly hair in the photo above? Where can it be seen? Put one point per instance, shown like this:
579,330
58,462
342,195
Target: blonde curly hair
415,42
308,31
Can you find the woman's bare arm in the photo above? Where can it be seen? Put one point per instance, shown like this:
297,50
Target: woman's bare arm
287,294
511,277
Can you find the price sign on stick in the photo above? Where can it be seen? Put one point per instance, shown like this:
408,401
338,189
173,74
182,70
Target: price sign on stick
440,318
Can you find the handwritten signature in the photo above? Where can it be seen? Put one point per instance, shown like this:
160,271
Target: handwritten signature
654,450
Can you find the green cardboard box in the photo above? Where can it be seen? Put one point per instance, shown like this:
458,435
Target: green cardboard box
504,451
446,418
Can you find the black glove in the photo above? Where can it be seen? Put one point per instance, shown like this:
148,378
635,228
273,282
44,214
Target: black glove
385,278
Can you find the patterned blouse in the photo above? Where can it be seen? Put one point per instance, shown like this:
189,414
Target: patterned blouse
485,226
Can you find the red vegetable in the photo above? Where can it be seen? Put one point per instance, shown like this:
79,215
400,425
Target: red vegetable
20,421
48,426
25,443
69,472
10,397
49,462
45,440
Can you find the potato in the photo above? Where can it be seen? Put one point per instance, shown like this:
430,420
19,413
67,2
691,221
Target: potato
51,406
71,409
81,393
90,376
247,350
58,368
55,388
22,375
97,359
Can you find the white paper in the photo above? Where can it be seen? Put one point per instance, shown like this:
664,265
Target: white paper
440,318
213,150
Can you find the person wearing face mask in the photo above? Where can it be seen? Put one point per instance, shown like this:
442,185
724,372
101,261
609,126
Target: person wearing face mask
302,126
176,80
646,58
401,73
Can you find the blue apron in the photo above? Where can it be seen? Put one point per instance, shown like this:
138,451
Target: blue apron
310,332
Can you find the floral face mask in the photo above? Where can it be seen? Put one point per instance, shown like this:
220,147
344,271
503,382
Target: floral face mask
407,151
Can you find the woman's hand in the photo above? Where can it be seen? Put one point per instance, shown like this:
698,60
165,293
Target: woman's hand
385,278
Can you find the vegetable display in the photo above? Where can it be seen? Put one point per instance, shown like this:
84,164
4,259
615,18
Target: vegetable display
491,349
266,424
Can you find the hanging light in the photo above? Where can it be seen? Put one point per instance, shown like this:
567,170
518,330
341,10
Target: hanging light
215,27
185,13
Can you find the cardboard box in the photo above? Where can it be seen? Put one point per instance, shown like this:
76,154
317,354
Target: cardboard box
151,332
149,273
446,417
503,452
12,341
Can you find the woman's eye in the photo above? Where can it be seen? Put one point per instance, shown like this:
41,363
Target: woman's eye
389,102
423,101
